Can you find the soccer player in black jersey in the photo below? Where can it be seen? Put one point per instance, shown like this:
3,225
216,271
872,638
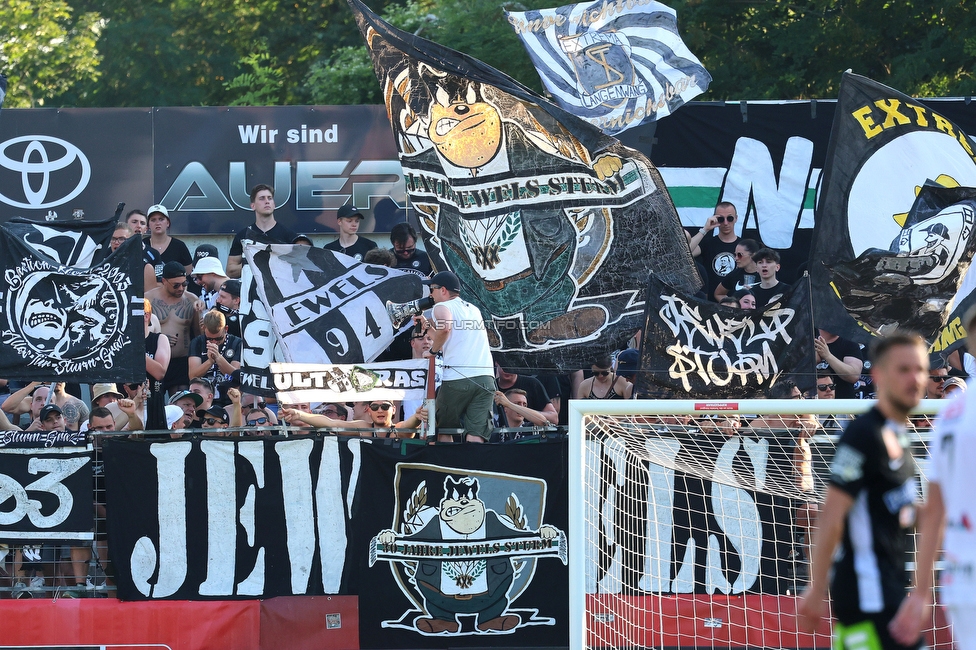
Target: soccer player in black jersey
870,504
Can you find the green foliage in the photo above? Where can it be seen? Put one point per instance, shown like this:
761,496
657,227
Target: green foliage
45,50
216,52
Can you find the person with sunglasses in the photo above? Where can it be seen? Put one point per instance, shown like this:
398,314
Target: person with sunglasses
179,319
605,383
408,257
379,424
937,377
717,252
746,273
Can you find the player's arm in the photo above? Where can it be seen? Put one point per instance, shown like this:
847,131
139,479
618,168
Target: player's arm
830,527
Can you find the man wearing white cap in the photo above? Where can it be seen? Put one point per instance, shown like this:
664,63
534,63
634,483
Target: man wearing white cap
209,274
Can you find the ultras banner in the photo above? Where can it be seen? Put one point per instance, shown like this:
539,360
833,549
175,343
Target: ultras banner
551,226
698,348
68,312
297,383
612,64
871,244
47,487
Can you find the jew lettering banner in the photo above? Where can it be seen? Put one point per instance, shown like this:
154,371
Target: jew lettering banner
229,519
70,323
47,483
614,64
325,307
468,547
697,348
296,383
551,226
872,242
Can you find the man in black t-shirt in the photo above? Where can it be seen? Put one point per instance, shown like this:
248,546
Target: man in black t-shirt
264,230
408,258
215,354
842,360
716,252
870,506
536,395
769,288
349,242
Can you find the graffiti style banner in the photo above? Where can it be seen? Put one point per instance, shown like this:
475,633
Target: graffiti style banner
705,536
614,65
297,383
47,483
876,233
325,307
697,348
70,323
547,222
201,162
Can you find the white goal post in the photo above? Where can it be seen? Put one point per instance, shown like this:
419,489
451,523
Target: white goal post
693,535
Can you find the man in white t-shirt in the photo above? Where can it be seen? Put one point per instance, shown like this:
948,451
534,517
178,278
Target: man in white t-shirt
468,389
950,509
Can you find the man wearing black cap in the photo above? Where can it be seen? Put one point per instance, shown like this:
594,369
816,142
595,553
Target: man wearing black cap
264,230
179,319
468,388
51,418
229,304
349,242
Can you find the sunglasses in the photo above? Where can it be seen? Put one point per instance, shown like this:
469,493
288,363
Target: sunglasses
216,339
408,251
212,421
178,284
258,421
825,386
937,378
724,219
739,256
380,407
601,373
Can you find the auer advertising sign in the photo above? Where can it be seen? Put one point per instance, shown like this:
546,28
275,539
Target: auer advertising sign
201,163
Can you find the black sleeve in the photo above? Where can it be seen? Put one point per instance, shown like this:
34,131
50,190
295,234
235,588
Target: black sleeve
851,462
198,346
236,248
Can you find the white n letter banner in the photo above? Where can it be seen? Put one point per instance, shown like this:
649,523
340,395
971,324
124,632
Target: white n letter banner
614,64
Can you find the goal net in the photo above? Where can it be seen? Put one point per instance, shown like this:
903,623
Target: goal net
689,521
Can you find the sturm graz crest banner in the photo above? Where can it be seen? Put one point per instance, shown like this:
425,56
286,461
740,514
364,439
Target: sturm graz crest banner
325,307
70,323
697,348
551,226
616,65
870,243
469,549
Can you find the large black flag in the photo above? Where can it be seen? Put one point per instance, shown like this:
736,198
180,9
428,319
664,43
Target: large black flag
67,311
551,226
695,348
887,250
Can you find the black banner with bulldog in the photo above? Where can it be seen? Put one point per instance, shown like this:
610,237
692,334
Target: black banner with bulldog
881,257
551,226
46,483
69,310
697,348
467,547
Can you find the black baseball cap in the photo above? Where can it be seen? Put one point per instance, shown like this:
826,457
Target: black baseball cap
47,410
349,211
445,279
204,250
233,287
173,269
219,413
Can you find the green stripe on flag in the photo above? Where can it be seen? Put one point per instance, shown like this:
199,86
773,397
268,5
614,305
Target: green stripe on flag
690,196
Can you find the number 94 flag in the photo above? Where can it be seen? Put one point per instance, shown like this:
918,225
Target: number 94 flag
616,64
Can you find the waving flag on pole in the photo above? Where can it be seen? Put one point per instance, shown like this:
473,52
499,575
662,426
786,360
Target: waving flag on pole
551,226
896,219
616,65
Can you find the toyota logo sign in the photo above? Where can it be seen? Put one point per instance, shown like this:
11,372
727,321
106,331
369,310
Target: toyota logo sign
36,161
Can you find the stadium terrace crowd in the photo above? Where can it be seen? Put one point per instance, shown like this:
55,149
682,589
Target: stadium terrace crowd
194,348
